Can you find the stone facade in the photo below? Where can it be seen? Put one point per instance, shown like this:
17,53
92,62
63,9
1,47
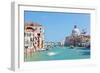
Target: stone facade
33,37
77,38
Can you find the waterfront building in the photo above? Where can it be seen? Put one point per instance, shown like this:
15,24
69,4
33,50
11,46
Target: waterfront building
33,37
77,38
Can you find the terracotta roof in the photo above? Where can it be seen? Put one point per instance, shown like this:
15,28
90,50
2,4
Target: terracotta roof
30,28
32,24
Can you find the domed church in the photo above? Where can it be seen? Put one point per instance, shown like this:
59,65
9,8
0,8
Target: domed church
76,31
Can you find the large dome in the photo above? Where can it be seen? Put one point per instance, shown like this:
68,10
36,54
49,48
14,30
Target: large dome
75,31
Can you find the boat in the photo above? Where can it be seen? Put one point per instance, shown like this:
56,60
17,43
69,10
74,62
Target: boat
71,47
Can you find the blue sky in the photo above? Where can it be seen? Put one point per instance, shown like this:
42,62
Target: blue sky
58,25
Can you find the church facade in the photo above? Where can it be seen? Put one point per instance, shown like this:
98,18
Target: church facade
77,38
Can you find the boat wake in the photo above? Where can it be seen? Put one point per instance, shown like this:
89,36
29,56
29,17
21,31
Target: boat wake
51,53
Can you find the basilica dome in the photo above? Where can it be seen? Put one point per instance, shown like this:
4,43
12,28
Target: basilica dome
75,31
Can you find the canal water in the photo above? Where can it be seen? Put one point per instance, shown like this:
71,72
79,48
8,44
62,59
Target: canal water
59,53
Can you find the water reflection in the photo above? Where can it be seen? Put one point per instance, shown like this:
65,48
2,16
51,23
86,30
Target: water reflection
86,53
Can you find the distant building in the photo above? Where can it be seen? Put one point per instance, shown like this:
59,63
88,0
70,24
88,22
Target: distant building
77,38
75,31
33,37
